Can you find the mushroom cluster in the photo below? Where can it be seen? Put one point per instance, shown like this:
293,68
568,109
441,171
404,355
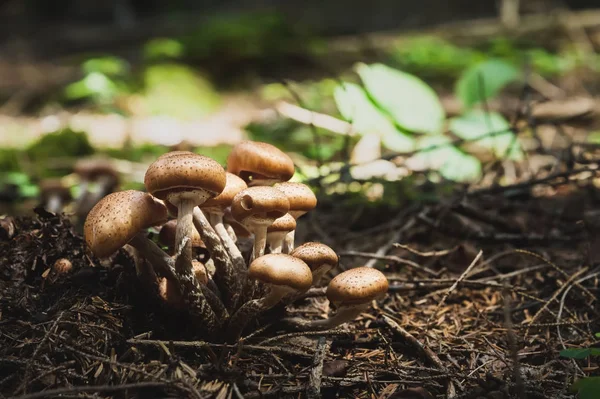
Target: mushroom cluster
204,267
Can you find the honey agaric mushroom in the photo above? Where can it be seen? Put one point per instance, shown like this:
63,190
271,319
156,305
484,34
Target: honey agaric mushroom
185,180
351,292
167,236
97,171
319,257
257,208
302,200
260,164
120,219
277,232
282,274
54,194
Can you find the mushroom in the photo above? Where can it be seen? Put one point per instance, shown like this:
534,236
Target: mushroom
185,180
351,292
282,274
319,257
277,232
97,171
119,219
54,195
302,200
260,164
167,235
257,208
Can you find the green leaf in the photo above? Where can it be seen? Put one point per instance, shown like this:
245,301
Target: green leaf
161,48
576,353
105,65
597,335
595,351
413,105
489,130
484,80
356,107
587,388
436,154
95,84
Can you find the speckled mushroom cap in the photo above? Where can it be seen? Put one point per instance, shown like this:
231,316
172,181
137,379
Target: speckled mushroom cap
281,270
257,161
315,255
166,236
53,186
233,186
258,205
283,224
92,168
179,174
357,286
301,197
118,217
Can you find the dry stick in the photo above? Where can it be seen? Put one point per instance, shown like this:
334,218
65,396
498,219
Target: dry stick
225,277
558,269
313,390
390,258
393,239
424,350
453,287
555,295
512,343
427,254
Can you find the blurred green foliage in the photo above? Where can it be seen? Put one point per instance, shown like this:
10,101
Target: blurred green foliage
65,143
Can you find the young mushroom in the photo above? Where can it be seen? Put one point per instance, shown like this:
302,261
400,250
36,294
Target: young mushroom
282,275
260,164
351,292
185,180
99,172
277,232
257,208
302,200
54,195
319,257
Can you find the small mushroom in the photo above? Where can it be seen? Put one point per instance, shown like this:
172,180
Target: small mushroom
282,275
167,235
277,232
54,195
100,172
351,292
257,208
260,164
302,200
62,266
185,180
319,257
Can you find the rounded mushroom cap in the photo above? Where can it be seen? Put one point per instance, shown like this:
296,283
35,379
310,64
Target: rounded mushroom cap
283,224
54,186
62,266
357,286
315,255
93,168
259,205
281,270
183,173
118,217
233,185
301,197
264,163
166,236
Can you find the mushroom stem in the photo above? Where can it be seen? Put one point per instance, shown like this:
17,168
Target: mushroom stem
225,278
185,229
215,303
260,242
275,241
342,315
54,204
251,309
216,220
288,245
153,254
231,232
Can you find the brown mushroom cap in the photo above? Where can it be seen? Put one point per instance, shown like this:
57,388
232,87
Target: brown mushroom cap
166,236
233,185
254,160
92,168
281,270
50,187
239,229
257,204
180,172
63,266
301,197
315,255
357,286
118,217
283,224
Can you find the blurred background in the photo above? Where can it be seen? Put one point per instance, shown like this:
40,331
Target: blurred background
379,102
